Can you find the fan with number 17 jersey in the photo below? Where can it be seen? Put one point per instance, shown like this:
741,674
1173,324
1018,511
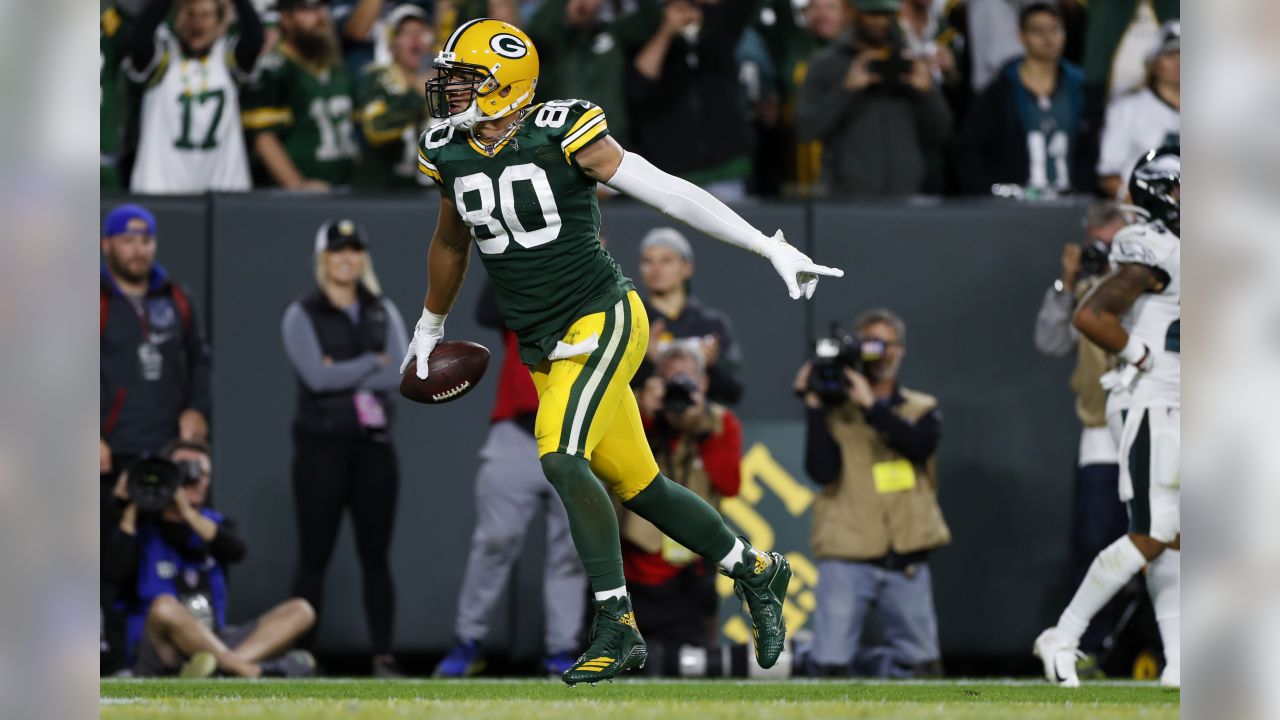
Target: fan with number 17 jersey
534,216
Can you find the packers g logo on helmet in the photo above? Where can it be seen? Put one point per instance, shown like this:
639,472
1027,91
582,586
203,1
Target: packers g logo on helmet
486,70
508,45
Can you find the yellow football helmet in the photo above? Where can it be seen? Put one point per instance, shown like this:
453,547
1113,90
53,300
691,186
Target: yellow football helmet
481,60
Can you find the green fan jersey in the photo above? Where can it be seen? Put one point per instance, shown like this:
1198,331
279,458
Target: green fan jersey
392,114
533,214
310,110
113,40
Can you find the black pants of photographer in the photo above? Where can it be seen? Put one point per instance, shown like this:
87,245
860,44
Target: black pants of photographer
678,612
330,475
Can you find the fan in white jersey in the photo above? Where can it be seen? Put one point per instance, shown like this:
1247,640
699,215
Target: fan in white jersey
1134,313
1146,118
190,139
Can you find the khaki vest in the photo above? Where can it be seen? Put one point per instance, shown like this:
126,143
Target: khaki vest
852,520
683,465
1091,362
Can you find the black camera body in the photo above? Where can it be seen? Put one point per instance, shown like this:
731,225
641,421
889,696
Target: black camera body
1094,256
153,481
679,394
832,355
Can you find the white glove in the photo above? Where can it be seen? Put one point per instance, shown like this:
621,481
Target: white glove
798,271
426,334
1135,359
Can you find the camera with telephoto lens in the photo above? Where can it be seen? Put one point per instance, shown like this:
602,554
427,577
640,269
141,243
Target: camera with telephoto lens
678,397
832,355
153,481
1093,258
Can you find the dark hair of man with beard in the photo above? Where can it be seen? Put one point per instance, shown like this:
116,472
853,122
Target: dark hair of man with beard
307,29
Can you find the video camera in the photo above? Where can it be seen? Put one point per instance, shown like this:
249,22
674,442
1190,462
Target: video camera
831,355
153,481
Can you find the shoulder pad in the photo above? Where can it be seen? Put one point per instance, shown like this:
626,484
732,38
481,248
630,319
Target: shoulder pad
575,123
1148,244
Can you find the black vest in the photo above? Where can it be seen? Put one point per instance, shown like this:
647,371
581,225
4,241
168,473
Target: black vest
334,412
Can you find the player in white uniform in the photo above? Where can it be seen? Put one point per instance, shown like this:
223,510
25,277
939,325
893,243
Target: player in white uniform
1135,313
190,139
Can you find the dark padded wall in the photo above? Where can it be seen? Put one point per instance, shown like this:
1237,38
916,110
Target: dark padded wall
967,279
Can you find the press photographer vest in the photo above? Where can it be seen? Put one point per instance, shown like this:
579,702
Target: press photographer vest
334,412
1091,362
881,501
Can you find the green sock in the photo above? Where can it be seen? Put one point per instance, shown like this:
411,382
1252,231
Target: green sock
683,517
592,522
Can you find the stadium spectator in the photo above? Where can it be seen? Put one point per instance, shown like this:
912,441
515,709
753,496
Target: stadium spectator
153,360
698,444
582,57
991,34
393,106
871,447
297,111
341,339
877,112
114,35
1099,517
510,491
1122,35
169,570
675,315
363,25
684,84
190,139
1147,118
1025,128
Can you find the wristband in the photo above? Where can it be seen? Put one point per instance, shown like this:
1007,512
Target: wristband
1134,352
430,320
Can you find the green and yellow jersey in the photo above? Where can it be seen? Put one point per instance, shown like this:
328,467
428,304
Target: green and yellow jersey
309,108
113,45
534,217
392,115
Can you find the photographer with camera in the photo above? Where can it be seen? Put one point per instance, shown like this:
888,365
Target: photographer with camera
697,444
167,566
870,444
1098,518
874,107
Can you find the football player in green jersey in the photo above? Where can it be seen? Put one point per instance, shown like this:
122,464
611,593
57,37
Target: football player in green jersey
298,111
519,180
393,111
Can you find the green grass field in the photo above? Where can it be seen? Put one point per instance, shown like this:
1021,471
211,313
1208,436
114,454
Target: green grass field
630,699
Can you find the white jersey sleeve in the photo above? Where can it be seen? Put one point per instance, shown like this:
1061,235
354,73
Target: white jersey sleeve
1149,244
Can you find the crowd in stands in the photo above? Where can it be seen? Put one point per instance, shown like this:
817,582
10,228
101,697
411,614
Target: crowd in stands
767,98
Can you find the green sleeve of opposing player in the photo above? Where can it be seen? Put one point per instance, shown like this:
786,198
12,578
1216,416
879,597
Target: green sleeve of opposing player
264,102
583,123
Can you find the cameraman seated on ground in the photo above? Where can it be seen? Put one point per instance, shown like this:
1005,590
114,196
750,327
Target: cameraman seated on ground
870,444
697,444
167,564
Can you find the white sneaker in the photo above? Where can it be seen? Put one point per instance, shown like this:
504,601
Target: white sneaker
1059,656
1171,677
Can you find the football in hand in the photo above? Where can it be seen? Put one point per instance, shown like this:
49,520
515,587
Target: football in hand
453,370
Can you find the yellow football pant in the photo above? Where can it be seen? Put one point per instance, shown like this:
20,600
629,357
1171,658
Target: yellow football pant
585,404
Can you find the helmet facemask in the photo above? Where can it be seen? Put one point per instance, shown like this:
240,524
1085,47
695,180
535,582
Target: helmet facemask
453,92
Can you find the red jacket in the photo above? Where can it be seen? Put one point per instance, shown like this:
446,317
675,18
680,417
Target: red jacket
721,459
516,394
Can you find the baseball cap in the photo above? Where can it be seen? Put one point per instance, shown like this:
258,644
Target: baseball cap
339,234
878,6
117,221
670,238
406,12
1169,40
